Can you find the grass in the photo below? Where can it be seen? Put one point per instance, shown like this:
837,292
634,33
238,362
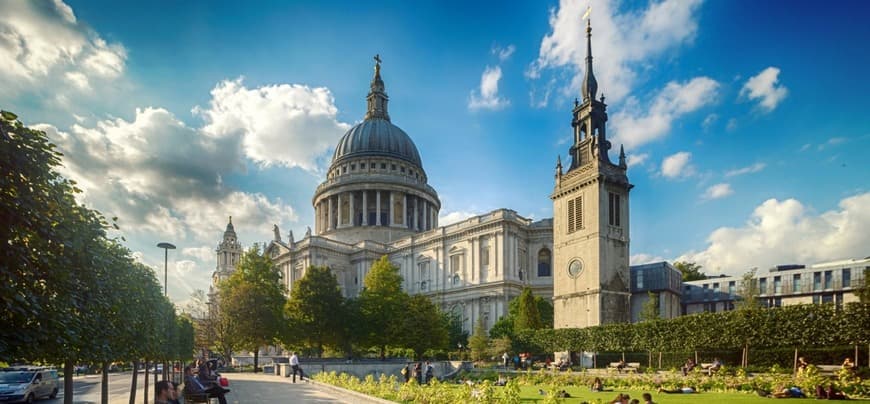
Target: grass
530,394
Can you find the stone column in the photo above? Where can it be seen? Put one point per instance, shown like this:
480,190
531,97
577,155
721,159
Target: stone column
365,209
426,223
405,210
416,221
338,214
377,208
390,219
350,209
329,213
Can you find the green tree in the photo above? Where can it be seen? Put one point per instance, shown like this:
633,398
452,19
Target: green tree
422,326
315,310
253,298
650,309
506,325
690,270
381,303
862,289
455,334
749,291
527,317
479,341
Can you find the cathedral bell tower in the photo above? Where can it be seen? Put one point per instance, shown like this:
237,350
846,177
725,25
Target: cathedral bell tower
590,220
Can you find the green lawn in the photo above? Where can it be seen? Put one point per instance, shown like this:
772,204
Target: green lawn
530,394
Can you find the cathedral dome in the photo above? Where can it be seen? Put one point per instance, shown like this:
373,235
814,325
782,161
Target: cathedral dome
376,138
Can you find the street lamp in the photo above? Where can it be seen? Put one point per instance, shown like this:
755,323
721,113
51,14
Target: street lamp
166,247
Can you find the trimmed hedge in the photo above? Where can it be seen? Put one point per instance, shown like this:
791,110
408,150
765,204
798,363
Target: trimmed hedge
799,326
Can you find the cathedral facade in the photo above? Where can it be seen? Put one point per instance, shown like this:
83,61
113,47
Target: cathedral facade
376,201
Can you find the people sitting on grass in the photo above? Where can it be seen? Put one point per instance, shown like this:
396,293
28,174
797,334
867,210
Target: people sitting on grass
502,381
830,393
647,398
598,385
681,390
621,399
634,401
782,391
688,366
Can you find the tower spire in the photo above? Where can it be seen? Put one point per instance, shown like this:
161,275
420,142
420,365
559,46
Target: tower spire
377,98
590,86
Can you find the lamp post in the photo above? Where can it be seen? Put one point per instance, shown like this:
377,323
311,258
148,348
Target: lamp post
166,247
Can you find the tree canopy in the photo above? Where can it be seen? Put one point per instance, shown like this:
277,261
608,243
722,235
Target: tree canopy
690,270
315,310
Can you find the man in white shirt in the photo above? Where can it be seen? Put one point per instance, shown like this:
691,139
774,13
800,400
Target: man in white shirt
294,364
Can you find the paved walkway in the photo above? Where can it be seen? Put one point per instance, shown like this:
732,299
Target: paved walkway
266,388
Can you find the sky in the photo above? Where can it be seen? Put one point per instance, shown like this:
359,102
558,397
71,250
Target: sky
744,122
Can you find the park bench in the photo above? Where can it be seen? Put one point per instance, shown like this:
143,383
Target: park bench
829,370
708,368
631,367
204,398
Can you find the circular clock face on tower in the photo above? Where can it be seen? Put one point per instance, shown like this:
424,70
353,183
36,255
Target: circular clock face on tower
575,268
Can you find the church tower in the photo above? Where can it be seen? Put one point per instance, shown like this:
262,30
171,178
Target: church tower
590,220
229,251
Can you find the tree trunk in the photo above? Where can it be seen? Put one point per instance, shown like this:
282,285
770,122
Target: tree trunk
256,358
68,369
145,393
133,381
660,359
794,370
104,386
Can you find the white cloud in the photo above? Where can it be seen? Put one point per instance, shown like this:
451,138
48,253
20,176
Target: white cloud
834,141
732,125
718,191
161,177
640,259
622,41
746,170
78,79
448,218
677,165
204,253
709,121
288,124
780,232
487,97
633,127
503,53
43,46
636,159
765,88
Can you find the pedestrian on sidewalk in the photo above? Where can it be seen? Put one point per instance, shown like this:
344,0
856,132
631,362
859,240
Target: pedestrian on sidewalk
294,364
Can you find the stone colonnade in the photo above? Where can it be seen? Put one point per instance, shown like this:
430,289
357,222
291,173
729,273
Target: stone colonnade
374,208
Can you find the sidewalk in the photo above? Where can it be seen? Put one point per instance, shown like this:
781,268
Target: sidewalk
267,388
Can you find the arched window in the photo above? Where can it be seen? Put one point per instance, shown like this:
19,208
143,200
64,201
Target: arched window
544,262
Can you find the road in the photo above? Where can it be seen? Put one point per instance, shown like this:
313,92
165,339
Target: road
245,388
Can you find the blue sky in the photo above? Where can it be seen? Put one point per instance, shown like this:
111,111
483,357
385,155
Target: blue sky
744,122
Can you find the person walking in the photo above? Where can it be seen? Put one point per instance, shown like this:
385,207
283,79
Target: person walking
294,364
504,359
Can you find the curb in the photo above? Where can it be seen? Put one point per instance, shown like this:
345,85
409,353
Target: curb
353,396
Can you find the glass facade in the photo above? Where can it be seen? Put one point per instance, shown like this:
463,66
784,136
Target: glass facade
847,277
